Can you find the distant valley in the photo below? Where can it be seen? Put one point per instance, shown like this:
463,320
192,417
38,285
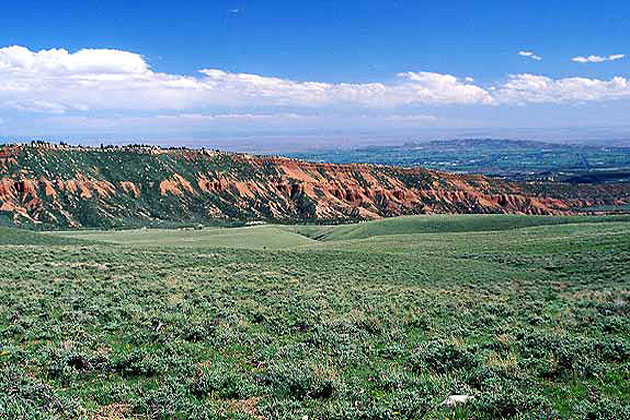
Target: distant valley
512,159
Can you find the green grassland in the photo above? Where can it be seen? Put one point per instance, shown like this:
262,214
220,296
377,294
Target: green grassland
444,224
262,237
377,320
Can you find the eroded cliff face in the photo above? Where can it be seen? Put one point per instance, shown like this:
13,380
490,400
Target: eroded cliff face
73,187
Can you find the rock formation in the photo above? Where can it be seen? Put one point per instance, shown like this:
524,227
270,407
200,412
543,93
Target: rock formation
62,186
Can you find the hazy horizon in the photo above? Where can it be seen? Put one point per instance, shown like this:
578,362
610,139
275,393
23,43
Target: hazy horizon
279,143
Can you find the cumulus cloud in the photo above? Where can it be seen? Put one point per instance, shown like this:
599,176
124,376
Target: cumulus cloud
20,60
597,58
112,83
530,54
56,80
530,88
441,88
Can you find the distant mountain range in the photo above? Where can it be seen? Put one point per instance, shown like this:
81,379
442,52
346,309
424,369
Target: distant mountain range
512,159
51,186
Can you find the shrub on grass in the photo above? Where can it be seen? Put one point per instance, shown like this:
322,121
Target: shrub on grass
24,397
603,409
300,381
507,399
138,362
443,357
223,380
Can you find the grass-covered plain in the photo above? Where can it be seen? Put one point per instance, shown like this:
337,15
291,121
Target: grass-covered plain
380,320
262,237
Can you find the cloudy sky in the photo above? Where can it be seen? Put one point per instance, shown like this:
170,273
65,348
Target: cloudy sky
201,71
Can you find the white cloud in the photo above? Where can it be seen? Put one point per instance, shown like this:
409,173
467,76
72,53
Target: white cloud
530,54
93,85
597,58
57,81
530,88
21,60
411,88
440,88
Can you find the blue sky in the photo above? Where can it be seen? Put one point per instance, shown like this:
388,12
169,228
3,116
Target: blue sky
122,69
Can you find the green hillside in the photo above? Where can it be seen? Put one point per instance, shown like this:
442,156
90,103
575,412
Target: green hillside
243,237
532,320
9,236
443,224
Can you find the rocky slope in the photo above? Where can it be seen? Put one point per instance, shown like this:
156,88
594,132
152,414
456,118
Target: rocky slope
61,186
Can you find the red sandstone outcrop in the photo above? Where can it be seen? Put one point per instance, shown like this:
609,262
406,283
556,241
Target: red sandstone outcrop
278,188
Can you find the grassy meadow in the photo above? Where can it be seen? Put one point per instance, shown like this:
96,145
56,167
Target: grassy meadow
530,315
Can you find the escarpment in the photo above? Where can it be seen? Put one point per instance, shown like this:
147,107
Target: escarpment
62,186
